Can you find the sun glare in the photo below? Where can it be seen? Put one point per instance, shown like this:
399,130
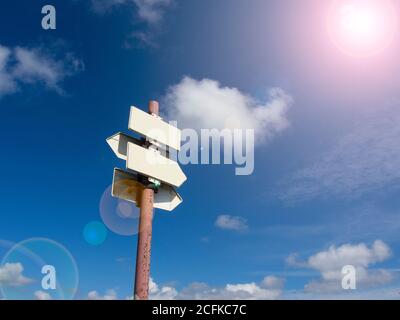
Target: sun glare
362,27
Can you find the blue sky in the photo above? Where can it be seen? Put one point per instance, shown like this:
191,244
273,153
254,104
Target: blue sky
324,192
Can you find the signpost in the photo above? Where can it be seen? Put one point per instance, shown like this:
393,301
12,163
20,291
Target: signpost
152,164
127,186
150,179
153,127
119,144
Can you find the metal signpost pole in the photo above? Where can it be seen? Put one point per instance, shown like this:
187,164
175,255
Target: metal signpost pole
150,179
145,233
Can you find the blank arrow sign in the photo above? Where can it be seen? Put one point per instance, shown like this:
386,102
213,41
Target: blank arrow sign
127,187
119,144
152,164
154,128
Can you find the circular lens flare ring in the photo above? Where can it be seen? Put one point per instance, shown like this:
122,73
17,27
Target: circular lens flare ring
362,27
31,255
119,216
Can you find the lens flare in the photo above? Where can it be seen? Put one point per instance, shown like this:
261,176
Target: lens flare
25,262
120,216
362,27
95,233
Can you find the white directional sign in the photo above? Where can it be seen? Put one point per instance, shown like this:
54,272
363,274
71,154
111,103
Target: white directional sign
147,161
126,186
119,144
154,128
152,164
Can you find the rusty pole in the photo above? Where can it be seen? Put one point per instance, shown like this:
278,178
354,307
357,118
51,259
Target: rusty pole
144,236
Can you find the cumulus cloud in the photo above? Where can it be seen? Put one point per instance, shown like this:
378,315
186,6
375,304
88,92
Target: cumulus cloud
269,289
205,104
228,222
32,65
363,161
161,293
11,275
41,295
109,295
329,264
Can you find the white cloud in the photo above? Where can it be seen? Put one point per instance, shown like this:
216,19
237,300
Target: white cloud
357,255
109,295
329,264
205,104
231,223
249,291
41,295
365,279
269,289
11,275
32,65
161,293
363,161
